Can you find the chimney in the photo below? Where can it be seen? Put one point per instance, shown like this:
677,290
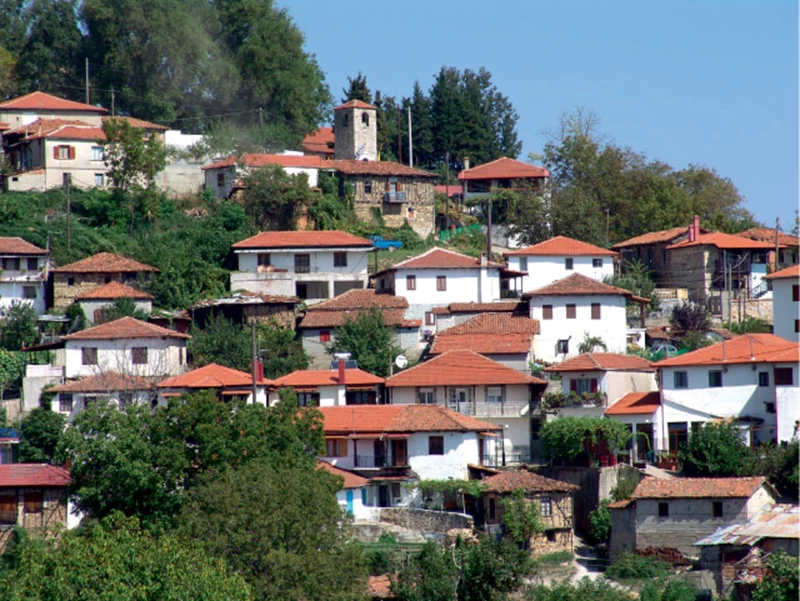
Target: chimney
696,226
484,261
342,372
466,163
691,232
260,370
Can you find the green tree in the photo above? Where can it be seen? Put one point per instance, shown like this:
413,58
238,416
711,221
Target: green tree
369,341
571,437
357,89
18,328
637,278
421,119
223,342
600,524
280,350
280,528
590,343
521,518
122,307
716,449
8,79
12,368
273,198
527,215
690,317
117,560
77,318
133,158
780,583
40,435
430,575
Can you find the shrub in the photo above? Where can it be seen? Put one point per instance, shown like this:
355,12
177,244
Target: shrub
635,567
600,524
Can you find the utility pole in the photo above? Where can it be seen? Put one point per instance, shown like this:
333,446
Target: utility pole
410,145
399,140
254,360
777,243
87,80
67,181
447,189
113,108
261,116
489,227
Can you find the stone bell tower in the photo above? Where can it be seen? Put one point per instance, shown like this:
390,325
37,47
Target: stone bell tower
355,124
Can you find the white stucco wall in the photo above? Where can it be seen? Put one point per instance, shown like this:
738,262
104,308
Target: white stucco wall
784,309
90,306
611,327
463,286
787,405
12,292
615,384
544,270
232,174
79,400
355,506
165,357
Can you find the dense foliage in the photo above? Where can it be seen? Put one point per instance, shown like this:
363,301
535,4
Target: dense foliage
369,341
18,327
40,435
521,518
780,583
274,199
631,566
571,437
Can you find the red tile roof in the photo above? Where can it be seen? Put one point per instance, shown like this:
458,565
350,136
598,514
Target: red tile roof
260,160
786,273
636,403
379,419
333,319
314,378
604,362
114,290
380,586
697,488
765,234
355,104
105,263
496,307
139,123
58,129
507,482
126,327
320,141
18,246
724,241
387,168
245,297
325,239
483,344
660,237
105,382
212,376
34,475
460,368
578,284
441,258
453,190
495,323
503,168
747,348
361,298
561,246
351,480
47,102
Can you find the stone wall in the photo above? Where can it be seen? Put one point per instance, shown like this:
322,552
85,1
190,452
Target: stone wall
53,513
417,210
688,268
65,294
425,520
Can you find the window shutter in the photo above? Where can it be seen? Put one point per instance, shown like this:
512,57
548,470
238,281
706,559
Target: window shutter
399,185
387,186
573,386
593,385
71,152
55,152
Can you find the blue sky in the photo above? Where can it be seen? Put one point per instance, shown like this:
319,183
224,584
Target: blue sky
703,82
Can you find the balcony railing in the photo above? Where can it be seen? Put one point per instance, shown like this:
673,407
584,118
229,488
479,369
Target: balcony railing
377,462
486,409
394,197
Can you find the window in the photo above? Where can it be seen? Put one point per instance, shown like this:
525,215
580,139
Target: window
680,379
427,396
107,280
581,385
364,496
551,536
563,347
97,153
308,399
324,335
597,263
220,180
264,260
678,433
345,120
546,504
335,447
494,394
89,355
784,376
302,263
547,311
70,281
340,259
411,282
11,264
568,264
571,312
367,187
8,509
796,292
65,401
595,310
769,407
139,355
98,180
89,400
365,119
430,318
29,292
435,445
663,510
64,152
763,378
441,283
523,263
797,326
33,502
715,378
716,509
33,264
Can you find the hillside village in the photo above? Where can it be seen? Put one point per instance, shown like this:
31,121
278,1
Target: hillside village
385,362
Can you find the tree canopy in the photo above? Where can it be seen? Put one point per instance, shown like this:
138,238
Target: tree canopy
369,341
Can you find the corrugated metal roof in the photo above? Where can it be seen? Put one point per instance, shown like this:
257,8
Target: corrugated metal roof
777,521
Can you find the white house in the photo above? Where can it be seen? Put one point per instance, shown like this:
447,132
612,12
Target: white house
752,378
331,387
439,277
309,265
225,176
604,378
457,313
559,257
23,272
226,382
575,307
94,301
121,390
355,494
643,414
470,384
786,302
392,444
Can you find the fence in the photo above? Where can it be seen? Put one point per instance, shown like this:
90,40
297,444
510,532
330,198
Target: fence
470,229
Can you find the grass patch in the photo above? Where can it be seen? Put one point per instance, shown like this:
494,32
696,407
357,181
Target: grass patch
557,557
631,568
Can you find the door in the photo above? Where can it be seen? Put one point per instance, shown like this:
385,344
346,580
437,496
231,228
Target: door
383,496
350,502
481,450
459,400
379,452
399,453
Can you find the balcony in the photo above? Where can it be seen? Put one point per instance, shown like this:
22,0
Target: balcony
491,409
561,400
378,462
392,197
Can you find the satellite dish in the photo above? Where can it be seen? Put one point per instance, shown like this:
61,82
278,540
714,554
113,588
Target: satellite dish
401,362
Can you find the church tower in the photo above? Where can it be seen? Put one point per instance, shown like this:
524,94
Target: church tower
355,124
